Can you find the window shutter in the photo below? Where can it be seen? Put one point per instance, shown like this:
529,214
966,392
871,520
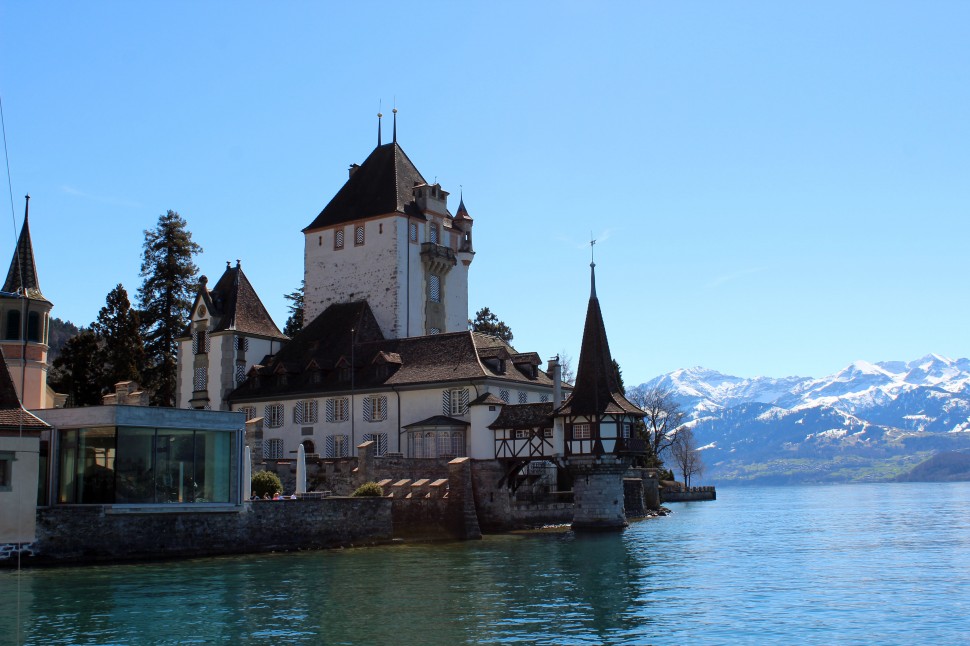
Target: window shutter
329,447
368,409
195,344
345,447
446,402
464,400
329,411
383,408
314,412
298,413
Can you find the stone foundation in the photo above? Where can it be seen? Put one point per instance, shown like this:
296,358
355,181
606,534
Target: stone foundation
598,492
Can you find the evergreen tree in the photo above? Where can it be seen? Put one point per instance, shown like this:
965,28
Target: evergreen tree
78,370
486,322
117,326
295,322
166,296
619,374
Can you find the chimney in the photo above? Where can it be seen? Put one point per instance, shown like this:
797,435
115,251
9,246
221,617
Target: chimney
556,371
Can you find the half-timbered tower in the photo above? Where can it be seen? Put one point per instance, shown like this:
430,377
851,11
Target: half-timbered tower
24,319
598,423
388,238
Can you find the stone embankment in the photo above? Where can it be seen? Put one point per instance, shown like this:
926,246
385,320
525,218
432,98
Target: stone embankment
672,494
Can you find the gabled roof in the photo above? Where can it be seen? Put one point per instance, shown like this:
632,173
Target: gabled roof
383,184
597,390
524,416
12,413
236,306
23,269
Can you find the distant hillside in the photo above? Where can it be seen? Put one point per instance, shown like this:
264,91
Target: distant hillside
867,422
942,467
60,332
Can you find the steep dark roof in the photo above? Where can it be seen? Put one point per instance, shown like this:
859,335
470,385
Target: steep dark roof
12,414
236,306
22,265
407,361
384,183
597,390
524,416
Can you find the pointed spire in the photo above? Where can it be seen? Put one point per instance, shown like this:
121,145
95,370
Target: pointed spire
22,275
592,268
395,124
379,115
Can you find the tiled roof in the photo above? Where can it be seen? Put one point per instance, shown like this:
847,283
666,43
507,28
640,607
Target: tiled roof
597,390
408,361
12,414
23,269
383,184
438,420
524,416
236,306
487,398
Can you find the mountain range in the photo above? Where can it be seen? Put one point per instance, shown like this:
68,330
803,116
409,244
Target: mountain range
867,422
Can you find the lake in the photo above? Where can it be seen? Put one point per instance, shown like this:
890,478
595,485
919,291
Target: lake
874,563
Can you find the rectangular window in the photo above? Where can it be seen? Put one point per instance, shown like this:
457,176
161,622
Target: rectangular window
338,238
337,446
434,330
337,410
242,344
547,432
273,449
358,235
627,431
250,412
273,415
523,397
543,398
581,432
433,233
375,408
413,231
504,396
6,470
240,374
305,412
455,401
434,288
201,380
521,434
380,439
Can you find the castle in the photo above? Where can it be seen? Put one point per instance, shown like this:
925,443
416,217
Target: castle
386,354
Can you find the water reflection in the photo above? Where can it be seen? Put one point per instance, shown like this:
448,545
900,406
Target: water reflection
806,565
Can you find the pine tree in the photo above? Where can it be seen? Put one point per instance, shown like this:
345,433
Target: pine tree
295,322
117,326
78,370
486,322
166,296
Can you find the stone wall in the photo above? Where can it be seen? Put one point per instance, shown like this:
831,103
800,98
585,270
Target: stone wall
687,495
92,533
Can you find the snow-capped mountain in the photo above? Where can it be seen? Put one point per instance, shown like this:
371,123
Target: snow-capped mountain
867,421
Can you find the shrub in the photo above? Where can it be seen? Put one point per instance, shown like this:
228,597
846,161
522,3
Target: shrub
266,482
369,489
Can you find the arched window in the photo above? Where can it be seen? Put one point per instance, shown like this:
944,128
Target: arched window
13,325
33,326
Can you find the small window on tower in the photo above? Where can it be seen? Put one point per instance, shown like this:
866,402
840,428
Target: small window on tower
358,235
338,238
434,288
433,233
413,231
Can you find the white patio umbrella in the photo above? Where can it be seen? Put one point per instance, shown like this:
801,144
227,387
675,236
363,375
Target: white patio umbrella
301,470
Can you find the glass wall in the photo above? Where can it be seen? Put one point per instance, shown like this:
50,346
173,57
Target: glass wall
128,465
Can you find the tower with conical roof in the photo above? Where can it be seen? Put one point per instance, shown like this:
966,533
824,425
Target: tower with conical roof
388,238
24,323
598,423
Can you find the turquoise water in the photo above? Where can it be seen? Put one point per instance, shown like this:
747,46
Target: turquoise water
886,564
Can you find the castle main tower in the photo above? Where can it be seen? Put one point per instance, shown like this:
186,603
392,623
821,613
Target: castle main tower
388,238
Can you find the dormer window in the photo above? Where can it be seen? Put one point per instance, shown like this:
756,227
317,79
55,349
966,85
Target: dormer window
382,371
281,379
345,373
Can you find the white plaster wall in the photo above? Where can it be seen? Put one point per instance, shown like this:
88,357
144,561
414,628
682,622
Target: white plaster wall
367,272
19,505
214,373
482,437
456,299
411,287
184,374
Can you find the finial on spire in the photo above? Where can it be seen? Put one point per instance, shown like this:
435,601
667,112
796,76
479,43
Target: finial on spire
26,206
228,264
395,124
238,263
379,115
592,266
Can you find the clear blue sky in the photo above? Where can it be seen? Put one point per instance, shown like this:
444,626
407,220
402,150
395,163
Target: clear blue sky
776,187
